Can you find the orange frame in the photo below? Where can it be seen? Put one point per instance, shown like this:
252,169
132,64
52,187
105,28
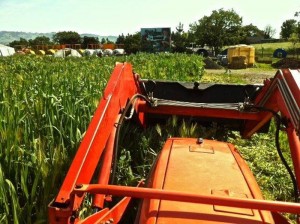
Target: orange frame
99,139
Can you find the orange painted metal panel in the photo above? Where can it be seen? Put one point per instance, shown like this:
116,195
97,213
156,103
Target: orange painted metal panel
120,89
150,193
210,168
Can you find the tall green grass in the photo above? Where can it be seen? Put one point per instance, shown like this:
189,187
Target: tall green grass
46,105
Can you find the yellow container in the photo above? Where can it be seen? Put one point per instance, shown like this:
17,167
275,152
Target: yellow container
40,52
242,50
29,51
51,51
81,51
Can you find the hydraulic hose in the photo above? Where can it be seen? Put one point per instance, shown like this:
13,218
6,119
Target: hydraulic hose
278,121
123,117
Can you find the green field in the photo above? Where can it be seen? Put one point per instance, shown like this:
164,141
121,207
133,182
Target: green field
273,46
265,51
47,103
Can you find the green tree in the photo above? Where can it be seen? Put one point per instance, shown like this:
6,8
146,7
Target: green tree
222,27
250,31
108,41
67,37
294,39
179,28
297,14
269,32
19,43
120,39
41,40
103,41
132,43
180,40
287,28
89,40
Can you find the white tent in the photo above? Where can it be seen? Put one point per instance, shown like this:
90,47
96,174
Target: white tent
119,51
75,53
108,52
6,51
93,52
67,53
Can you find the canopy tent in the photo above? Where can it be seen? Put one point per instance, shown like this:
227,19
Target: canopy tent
93,52
6,50
67,53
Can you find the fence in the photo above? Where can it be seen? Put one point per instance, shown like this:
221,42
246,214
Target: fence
267,55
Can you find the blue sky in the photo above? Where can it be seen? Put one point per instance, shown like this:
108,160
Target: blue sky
114,17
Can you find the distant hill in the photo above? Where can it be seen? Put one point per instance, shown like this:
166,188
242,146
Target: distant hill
7,37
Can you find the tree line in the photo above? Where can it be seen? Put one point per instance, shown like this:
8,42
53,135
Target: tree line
221,28
65,37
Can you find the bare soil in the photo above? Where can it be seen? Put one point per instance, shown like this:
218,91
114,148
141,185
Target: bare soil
249,75
287,63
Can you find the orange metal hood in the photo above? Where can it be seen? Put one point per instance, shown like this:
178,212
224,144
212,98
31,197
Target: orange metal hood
207,168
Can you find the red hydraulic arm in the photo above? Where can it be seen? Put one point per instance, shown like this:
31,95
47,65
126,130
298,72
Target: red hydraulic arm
121,87
281,94
190,197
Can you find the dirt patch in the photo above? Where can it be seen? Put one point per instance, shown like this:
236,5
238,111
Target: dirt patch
245,76
248,71
287,63
210,64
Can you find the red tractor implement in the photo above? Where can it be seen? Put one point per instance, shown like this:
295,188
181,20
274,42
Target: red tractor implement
193,180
